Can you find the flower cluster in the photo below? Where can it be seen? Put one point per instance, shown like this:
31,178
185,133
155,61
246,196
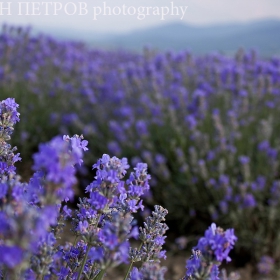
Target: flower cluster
9,117
30,212
56,160
266,265
209,253
33,215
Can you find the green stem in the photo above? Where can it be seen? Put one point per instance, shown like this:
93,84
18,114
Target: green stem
97,220
131,264
75,241
128,270
96,226
92,270
84,262
100,275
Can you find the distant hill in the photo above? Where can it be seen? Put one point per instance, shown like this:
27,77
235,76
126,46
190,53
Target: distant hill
263,35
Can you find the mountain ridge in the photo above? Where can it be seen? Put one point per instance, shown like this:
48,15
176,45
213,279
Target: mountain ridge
264,35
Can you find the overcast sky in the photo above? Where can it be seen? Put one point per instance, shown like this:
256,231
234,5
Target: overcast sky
197,12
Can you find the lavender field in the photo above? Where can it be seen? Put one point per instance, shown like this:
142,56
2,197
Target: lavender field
197,135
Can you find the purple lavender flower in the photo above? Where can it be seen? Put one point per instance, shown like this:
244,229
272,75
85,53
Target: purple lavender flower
193,263
223,206
264,145
244,159
272,153
249,201
9,106
152,236
114,148
114,239
97,201
11,256
152,271
215,272
141,128
191,121
57,159
160,159
8,118
3,190
211,250
135,274
266,265
224,180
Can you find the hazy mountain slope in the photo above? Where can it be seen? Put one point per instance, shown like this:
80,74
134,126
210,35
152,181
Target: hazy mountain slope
263,35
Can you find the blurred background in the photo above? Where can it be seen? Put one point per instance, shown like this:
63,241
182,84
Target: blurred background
206,25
